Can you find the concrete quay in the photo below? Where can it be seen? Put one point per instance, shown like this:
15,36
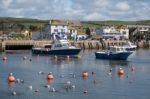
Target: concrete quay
96,44
87,44
22,44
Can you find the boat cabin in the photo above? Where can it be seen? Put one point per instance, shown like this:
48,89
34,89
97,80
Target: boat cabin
61,44
117,49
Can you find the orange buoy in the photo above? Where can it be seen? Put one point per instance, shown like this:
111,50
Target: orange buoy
121,71
4,58
85,74
50,76
11,78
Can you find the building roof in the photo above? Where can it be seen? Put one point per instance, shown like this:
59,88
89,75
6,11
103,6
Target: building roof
58,22
71,28
73,25
66,22
121,27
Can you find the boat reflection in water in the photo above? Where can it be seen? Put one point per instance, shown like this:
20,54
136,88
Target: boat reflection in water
116,63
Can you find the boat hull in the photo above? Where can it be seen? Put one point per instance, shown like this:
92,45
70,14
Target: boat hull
113,56
57,52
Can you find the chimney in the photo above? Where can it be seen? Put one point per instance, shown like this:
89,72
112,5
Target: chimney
50,22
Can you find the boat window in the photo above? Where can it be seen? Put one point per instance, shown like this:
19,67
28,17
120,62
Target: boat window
121,49
58,45
113,49
118,49
65,44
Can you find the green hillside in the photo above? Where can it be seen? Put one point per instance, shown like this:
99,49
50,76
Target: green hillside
27,22
23,23
98,24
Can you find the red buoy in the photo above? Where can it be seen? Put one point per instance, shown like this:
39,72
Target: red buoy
85,74
121,71
50,76
11,78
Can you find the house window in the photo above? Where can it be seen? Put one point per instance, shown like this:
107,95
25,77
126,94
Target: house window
124,32
55,30
62,30
145,28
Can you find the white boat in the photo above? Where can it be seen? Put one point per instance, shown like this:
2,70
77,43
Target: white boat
60,47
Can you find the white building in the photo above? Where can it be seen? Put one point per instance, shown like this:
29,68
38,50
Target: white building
62,28
58,27
125,32
119,32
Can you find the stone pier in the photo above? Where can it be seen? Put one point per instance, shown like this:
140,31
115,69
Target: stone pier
10,44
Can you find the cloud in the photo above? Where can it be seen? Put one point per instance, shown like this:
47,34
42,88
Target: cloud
94,16
124,6
76,9
6,3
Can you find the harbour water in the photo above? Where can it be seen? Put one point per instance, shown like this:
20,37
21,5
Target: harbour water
101,83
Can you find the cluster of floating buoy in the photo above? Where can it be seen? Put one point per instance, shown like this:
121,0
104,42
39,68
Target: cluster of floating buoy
68,84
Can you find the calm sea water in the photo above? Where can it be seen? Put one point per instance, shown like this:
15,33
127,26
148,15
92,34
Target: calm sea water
102,85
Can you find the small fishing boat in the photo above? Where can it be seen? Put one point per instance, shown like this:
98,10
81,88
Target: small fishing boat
114,53
60,47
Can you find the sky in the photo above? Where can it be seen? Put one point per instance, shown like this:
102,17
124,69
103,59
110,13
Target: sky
88,10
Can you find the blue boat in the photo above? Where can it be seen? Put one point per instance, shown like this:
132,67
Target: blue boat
60,47
115,53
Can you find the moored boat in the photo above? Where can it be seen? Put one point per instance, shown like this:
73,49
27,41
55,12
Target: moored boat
60,47
114,53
